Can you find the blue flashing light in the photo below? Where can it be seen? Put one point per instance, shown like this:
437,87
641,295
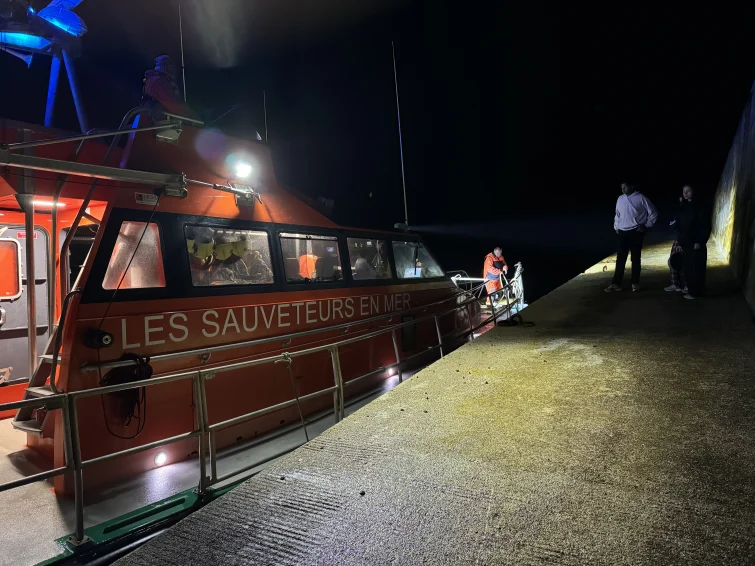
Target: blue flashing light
64,20
23,40
31,10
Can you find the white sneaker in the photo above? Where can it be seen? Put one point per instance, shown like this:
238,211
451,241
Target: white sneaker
685,291
635,287
690,297
612,288
672,288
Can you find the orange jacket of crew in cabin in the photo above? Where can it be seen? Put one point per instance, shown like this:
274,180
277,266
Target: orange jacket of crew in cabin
307,265
492,272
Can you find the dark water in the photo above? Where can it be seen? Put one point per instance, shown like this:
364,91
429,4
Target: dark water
553,249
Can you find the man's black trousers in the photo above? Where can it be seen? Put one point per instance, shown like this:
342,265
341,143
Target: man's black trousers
630,241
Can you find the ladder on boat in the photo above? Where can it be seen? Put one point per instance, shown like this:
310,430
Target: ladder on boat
42,382
33,420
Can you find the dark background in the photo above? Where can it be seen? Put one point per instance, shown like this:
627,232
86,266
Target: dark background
519,121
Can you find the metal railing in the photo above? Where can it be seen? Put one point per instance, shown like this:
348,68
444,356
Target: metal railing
205,432
49,403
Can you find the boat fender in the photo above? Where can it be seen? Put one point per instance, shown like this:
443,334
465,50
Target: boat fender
97,338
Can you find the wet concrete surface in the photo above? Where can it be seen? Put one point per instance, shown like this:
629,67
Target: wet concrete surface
618,429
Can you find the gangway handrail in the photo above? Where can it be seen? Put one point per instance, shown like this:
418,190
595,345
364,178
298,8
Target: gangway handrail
205,432
58,340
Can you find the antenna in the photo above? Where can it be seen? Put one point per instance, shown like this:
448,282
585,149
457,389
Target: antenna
181,33
400,138
264,107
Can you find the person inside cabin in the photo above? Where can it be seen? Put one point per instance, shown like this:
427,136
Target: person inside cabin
307,263
228,265
362,267
201,245
495,264
160,85
259,270
327,266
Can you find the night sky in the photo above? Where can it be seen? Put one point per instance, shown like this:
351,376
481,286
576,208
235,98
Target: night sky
519,120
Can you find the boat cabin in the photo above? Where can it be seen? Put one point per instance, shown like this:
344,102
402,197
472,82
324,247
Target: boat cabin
162,252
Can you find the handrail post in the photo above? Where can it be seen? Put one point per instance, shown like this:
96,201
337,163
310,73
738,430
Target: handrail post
199,412
495,311
471,325
339,385
78,538
398,356
213,458
205,426
68,447
31,283
440,337
339,379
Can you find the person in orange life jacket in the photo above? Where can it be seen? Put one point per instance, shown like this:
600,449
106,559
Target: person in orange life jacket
307,265
495,264
160,85
634,214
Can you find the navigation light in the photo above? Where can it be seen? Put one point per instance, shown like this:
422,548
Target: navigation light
160,459
243,170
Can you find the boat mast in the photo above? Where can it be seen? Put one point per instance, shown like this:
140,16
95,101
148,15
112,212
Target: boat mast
181,34
264,107
400,138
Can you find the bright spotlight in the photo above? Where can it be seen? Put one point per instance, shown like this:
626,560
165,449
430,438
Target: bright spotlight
48,204
243,170
160,459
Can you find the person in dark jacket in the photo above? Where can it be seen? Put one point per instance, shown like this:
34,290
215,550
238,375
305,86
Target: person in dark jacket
676,258
693,230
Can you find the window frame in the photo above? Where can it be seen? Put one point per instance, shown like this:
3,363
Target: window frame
414,280
117,289
391,265
178,274
335,235
237,286
17,296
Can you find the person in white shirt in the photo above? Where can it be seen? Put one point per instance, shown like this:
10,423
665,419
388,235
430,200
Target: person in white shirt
634,214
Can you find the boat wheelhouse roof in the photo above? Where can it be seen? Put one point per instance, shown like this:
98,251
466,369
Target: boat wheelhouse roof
203,155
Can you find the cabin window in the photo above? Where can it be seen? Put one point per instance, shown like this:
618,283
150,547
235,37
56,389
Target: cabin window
309,258
137,260
414,261
10,273
369,259
220,256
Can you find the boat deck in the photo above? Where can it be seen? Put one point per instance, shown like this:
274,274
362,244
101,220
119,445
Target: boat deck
32,517
617,430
